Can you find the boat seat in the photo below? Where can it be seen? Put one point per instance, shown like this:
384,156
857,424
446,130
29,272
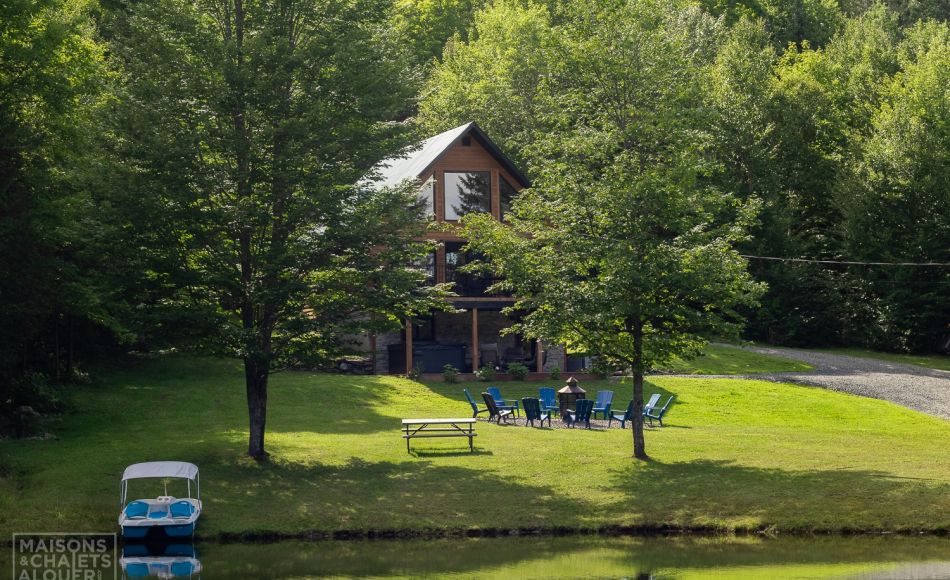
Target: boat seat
137,570
182,569
136,510
158,514
182,509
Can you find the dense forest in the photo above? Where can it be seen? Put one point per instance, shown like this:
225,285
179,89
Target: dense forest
181,173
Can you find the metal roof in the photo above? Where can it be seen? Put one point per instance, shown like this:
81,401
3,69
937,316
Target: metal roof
414,161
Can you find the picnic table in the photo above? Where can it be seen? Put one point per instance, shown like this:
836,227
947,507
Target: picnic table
413,428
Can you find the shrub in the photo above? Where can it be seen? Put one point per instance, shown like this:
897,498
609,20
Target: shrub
486,373
556,374
517,371
417,370
450,373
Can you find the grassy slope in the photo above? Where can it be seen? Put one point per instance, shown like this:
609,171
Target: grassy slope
735,454
726,360
933,361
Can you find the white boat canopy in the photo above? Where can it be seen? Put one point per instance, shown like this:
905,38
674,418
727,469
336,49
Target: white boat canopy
161,469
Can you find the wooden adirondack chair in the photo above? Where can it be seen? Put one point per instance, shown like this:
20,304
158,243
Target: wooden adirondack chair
533,412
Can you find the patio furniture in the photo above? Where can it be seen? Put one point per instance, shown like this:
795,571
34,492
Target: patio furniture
622,417
654,399
533,412
602,404
581,414
658,413
412,428
494,411
502,402
548,397
471,401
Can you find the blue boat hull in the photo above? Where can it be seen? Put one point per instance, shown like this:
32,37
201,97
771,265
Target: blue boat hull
179,531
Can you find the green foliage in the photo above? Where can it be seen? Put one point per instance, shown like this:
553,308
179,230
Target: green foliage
417,371
555,374
506,62
425,25
260,120
485,373
622,246
53,284
450,374
517,371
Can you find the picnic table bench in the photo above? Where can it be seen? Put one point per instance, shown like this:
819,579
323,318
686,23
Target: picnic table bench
412,428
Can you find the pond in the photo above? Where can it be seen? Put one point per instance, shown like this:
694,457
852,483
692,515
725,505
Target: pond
583,557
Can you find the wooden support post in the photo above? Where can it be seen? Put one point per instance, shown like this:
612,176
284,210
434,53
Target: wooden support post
408,346
538,356
475,352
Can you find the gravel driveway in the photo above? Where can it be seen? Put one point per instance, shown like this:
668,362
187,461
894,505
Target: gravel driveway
919,388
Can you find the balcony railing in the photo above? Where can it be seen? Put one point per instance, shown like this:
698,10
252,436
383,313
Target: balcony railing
467,284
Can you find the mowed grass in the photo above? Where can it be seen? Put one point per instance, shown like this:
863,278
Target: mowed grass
734,455
726,360
933,361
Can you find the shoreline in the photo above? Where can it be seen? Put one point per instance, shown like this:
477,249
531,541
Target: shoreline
608,531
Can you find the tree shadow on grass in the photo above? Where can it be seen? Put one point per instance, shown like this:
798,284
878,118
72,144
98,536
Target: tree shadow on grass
723,494
361,495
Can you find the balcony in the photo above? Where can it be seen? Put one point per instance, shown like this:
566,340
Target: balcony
467,284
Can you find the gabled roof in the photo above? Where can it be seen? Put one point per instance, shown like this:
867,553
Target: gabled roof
415,161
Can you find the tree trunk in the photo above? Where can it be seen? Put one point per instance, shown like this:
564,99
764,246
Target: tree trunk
639,444
255,377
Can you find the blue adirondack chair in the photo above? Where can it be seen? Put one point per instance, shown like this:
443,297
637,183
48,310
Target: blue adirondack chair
533,412
502,402
471,401
603,402
628,414
622,417
494,411
581,414
548,398
658,413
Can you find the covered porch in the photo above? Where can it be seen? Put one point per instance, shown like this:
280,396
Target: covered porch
467,340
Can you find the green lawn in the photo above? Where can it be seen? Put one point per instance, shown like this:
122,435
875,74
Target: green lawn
726,360
734,455
933,361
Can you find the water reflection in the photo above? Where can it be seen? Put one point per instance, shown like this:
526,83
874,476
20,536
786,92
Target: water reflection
159,560
584,557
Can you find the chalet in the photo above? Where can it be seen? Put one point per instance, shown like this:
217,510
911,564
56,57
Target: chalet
459,171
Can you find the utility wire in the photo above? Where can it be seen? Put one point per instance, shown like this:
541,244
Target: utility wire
805,260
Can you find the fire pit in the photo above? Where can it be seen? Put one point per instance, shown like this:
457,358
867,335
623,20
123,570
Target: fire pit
568,396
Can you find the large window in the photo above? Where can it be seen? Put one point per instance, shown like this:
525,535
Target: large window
427,197
467,192
508,194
